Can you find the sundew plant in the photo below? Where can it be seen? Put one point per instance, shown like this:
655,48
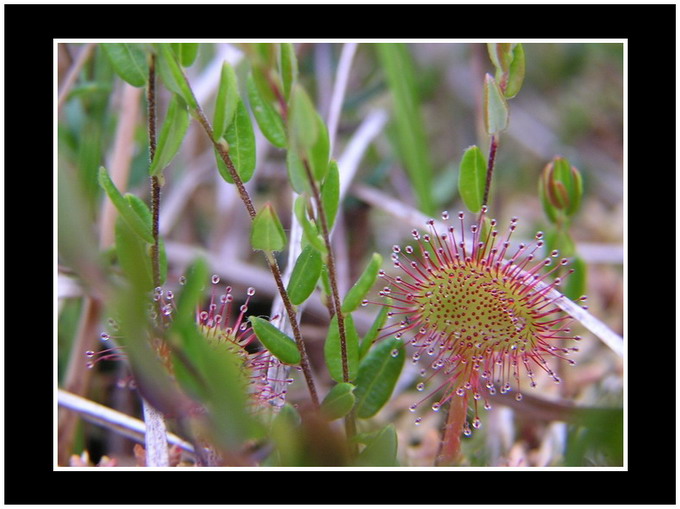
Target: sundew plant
340,254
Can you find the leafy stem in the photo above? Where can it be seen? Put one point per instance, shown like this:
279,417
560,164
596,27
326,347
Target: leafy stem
271,261
350,424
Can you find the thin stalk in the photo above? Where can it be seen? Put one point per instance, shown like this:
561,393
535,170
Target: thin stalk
155,182
332,276
350,422
271,261
155,440
449,451
493,146
113,420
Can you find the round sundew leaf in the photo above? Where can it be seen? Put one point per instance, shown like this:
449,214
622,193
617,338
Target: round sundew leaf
240,138
305,275
338,402
128,61
217,378
267,118
226,102
333,350
267,232
472,178
171,136
279,344
356,294
378,374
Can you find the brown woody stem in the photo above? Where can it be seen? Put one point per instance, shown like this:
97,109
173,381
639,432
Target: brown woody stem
271,261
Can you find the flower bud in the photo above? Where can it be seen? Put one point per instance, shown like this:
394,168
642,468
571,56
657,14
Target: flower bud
561,189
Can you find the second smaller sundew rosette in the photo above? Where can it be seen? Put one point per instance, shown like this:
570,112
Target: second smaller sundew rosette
477,310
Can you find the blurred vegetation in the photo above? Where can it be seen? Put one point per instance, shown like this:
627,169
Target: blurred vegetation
571,104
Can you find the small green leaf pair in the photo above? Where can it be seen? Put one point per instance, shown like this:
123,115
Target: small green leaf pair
509,61
377,376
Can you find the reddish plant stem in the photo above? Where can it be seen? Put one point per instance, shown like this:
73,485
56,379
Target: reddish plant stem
493,146
271,261
155,181
330,263
350,423
449,451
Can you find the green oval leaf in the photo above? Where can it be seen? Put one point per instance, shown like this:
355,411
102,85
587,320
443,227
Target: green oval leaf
472,178
330,193
338,402
173,76
129,61
142,210
279,344
297,175
495,107
226,101
302,120
319,153
172,133
356,294
186,52
516,72
129,216
378,374
372,334
381,450
267,232
288,67
305,275
267,118
133,255
333,351
241,140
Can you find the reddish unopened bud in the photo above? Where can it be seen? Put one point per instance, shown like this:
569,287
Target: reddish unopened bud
561,189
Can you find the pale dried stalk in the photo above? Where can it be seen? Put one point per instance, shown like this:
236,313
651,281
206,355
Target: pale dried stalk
112,419
155,437
73,73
